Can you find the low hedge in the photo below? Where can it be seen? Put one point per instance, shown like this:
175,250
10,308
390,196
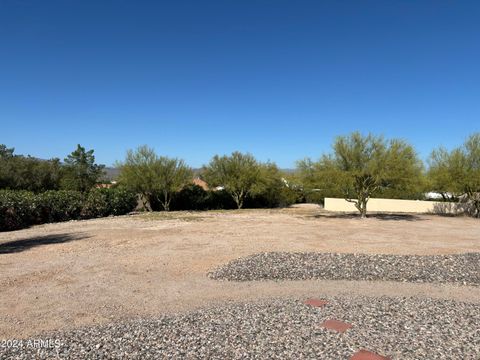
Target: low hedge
105,202
19,209
193,197
61,205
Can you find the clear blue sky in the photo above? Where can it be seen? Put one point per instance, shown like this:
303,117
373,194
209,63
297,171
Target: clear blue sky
277,78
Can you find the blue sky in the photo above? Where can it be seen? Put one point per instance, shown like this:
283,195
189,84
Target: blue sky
279,79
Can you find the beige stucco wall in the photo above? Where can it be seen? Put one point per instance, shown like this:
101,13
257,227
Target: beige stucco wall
386,205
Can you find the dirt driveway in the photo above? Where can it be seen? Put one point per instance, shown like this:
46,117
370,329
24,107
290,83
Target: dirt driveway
64,275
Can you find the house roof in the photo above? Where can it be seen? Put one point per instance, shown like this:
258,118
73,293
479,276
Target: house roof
201,183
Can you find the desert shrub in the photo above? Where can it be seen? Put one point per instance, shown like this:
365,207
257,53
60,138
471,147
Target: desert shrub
291,196
280,198
191,197
96,204
17,209
316,197
269,198
106,202
122,201
220,199
62,205
277,195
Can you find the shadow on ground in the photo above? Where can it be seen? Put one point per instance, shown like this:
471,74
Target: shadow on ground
379,216
31,242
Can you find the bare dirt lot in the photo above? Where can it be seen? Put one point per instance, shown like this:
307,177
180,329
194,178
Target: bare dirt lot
65,275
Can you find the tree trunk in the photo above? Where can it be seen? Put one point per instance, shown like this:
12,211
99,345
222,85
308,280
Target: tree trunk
363,212
166,202
361,205
365,185
146,202
476,206
238,199
473,199
239,202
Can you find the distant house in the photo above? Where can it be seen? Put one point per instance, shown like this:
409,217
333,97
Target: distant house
199,182
203,184
105,185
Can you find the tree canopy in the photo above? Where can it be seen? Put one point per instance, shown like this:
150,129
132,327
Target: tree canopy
80,172
18,172
238,174
456,173
155,177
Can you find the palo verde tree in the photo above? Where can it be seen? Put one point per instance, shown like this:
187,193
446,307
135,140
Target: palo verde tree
152,176
444,167
80,172
362,166
238,174
319,179
457,173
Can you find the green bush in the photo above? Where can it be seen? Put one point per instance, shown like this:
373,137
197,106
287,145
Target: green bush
96,204
122,201
62,205
17,209
316,197
106,202
278,195
218,200
291,196
191,197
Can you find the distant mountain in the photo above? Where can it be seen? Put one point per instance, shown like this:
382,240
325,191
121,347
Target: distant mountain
111,173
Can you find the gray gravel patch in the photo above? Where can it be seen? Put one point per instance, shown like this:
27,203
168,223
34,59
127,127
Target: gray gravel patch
401,328
458,268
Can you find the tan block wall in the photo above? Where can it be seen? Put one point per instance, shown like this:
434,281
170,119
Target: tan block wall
386,205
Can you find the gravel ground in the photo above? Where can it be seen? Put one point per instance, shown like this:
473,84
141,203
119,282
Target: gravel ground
458,268
400,328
